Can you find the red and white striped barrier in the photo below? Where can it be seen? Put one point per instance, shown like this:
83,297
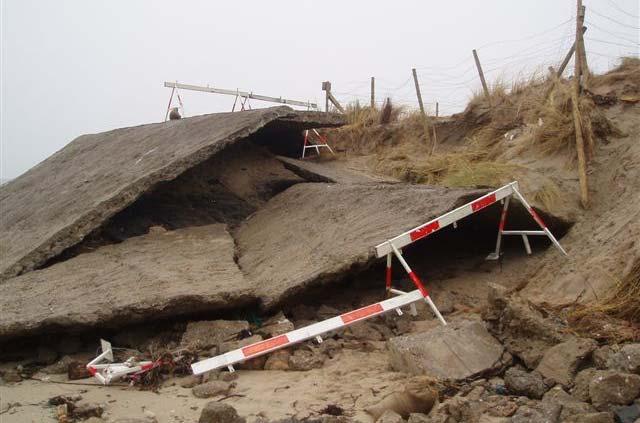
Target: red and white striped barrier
504,193
317,146
308,332
392,246
110,372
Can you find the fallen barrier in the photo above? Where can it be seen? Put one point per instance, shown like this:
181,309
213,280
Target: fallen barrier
388,248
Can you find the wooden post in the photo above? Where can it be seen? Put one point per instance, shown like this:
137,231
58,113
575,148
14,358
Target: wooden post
326,87
567,58
484,82
373,92
437,109
580,48
575,99
415,81
424,115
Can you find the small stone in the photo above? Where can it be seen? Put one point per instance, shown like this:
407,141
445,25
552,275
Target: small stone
500,406
211,389
228,376
390,416
11,376
613,388
603,417
190,381
627,413
601,356
520,382
303,360
626,360
217,412
94,420
560,362
278,360
363,331
85,410
253,364
570,405
526,414
581,384
276,325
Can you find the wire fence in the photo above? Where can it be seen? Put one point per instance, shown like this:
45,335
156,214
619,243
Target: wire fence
451,85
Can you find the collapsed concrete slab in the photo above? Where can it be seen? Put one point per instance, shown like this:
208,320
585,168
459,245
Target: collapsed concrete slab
58,202
314,233
459,350
157,275
305,236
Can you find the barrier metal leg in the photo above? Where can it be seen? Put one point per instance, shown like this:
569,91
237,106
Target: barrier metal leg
539,221
503,218
388,274
527,246
418,284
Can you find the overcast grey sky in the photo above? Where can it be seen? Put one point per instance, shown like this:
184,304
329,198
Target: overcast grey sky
72,67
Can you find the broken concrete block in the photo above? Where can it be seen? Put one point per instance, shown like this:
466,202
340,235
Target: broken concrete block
523,330
581,383
570,406
457,351
561,362
626,360
205,334
303,360
211,389
603,417
521,382
276,325
613,388
217,412
278,360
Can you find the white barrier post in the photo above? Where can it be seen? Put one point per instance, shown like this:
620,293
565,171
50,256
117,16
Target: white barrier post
418,284
503,218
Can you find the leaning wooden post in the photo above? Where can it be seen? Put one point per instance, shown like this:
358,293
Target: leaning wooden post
563,65
484,82
580,48
424,115
575,99
373,92
415,81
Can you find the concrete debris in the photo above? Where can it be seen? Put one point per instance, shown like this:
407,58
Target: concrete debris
569,406
276,325
520,327
611,387
459,350
627,413
303,360
521,382
278,360
216,412
627,359
560,362
603,417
